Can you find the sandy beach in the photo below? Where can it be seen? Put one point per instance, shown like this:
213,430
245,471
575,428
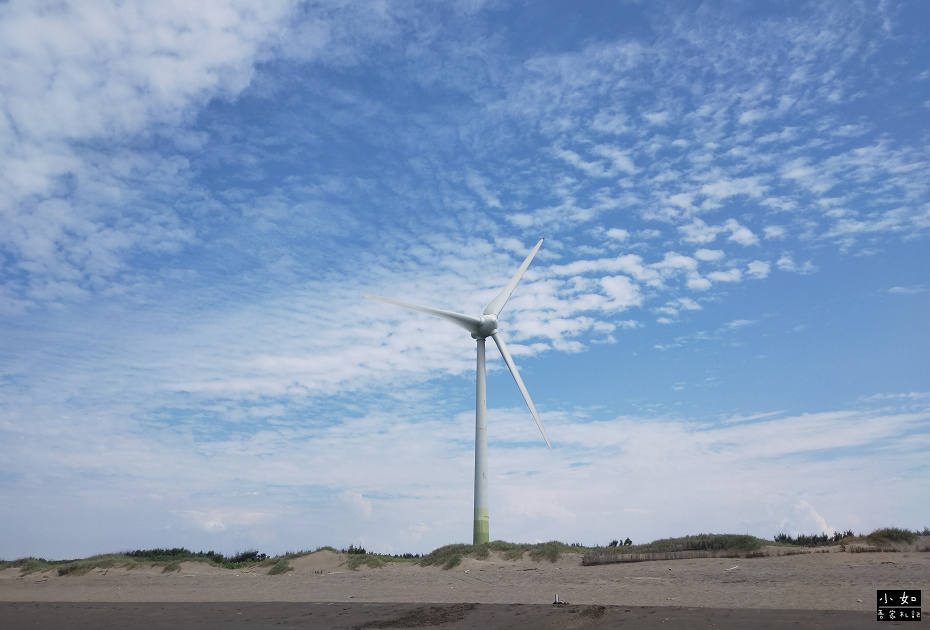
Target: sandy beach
822,589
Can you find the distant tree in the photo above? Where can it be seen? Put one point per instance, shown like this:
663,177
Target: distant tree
627,542
250,555
613,543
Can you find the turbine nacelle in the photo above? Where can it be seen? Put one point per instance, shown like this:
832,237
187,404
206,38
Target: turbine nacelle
487,326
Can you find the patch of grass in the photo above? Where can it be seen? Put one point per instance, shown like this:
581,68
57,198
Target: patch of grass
32,565
283,565
550,551
702,545
450,556
359,556
741,543
508,551
171,559
514,552
370,560
175,554
82,567
890,535
36,565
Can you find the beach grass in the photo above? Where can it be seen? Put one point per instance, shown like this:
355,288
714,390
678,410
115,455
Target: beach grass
891,535
741,543
169,559
450,556
283,565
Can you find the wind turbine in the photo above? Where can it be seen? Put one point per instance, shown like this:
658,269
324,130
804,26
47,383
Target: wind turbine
481,328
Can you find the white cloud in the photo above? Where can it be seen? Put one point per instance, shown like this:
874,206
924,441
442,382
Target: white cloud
804,507
622,292
908,396
708,255
785,135
774,231
97,70
593,169
786,263
620,160
611,121
630,264
682,200
657,118
908,290
618,234
740,234
751,116
737,458
758,269
480,186
358,502
688,304
672,309
731,275
698,232
673,263
724,189
82,83
698,283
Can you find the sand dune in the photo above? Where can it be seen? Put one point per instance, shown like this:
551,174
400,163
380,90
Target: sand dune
832,580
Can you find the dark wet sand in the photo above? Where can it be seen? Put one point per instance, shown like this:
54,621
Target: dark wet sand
459,616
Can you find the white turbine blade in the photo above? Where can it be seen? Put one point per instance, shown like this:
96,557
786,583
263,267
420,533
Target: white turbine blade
467,322
516,376
497,304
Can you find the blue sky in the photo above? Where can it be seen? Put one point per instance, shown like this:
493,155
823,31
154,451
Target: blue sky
725,329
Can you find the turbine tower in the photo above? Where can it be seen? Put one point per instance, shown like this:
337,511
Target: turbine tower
481,328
